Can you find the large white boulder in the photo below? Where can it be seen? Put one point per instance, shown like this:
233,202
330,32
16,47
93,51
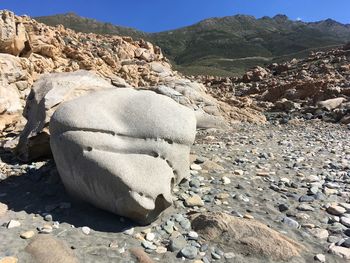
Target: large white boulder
122,150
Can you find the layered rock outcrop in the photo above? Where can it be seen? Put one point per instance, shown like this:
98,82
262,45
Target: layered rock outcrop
123,150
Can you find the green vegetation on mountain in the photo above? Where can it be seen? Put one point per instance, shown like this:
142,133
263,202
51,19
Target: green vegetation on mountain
226,46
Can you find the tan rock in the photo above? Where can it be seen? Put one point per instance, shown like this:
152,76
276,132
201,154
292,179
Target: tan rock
245,236
9,260
47,249
140,255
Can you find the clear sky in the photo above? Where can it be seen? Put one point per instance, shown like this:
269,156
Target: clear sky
159,15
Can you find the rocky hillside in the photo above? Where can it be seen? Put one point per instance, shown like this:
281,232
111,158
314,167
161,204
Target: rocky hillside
88,25
317,87
230,45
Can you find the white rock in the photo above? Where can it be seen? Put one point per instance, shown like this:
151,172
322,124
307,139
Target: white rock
122,150
225,180
196,167
13,223
86,230
150,236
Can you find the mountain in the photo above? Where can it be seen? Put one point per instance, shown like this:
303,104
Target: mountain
88,25
230,45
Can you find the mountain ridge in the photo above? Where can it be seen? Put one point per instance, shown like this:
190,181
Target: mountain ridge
212,46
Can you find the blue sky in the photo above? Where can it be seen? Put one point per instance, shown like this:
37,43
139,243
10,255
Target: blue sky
158,15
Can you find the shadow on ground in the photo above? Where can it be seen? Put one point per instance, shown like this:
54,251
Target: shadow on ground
40,191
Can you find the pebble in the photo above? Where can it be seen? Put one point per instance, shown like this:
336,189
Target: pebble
178,243
336,210
229,255
189,252
196,167
8,260
150,236
48,217
13,223
238,172
290,222
194,200
27,235
86,230
148,245
161,250
320,258
192,235
225,180
129,231
345,221
46,229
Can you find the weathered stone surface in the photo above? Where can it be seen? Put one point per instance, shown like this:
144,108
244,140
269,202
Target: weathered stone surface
46,95
13,37
122,149
248,237
47,249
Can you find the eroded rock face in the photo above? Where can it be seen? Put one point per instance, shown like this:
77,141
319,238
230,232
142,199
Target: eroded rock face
46,95
122,150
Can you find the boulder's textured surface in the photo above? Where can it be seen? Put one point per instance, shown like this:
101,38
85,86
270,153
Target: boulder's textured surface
248,237
122,150
46,95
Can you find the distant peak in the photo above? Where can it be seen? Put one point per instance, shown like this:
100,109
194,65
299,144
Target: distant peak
72,14
281,17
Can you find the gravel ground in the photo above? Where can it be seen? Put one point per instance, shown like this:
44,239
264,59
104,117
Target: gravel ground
293,177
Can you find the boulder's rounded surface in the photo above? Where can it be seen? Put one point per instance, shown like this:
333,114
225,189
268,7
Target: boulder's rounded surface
122,150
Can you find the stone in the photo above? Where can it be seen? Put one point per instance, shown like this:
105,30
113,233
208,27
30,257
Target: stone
290,222
319,233
245,236
336,210
13,223
47,93
3,209
194,200
45,249
27,235
9,260
150,236
345,221
176,244
137,137
189,252
320,258
196,167
86,230
139,255
342,252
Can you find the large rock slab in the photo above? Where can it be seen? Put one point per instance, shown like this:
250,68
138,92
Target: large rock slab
249,238
47,93
123,149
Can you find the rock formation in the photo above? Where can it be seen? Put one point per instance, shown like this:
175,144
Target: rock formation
295,86
123,150
248,237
